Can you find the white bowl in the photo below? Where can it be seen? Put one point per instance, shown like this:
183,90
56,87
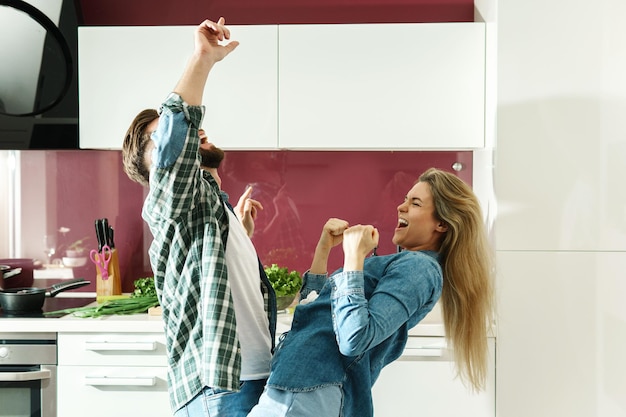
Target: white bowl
74,262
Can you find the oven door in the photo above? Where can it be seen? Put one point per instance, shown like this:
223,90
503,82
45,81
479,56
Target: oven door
28,391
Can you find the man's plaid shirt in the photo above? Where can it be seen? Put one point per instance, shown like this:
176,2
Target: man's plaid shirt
190,226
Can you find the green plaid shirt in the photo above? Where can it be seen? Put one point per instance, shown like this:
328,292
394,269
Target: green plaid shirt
189,224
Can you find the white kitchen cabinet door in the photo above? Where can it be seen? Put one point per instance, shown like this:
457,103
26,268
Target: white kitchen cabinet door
421,383
382,86
120,349
112,391
112,374
123,70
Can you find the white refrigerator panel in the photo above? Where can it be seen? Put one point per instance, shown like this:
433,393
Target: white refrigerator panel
561,334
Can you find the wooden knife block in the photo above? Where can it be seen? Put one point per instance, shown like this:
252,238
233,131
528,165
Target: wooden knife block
112,285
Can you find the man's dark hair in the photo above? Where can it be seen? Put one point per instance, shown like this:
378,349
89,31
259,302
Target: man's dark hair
134,147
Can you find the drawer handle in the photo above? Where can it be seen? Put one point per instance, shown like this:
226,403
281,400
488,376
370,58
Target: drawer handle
419,352
133,381
25,376
108,346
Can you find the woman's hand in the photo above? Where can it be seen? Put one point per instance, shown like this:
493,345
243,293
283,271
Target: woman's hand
332,235
358,242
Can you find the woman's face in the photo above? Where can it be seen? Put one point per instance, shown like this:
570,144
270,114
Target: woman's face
417,228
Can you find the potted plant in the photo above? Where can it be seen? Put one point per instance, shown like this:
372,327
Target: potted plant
76,253
76,249
286,284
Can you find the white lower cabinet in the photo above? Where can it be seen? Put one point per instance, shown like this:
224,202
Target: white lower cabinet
125,374
119,374
422,383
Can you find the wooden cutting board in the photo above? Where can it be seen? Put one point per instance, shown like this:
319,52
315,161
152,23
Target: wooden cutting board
155,311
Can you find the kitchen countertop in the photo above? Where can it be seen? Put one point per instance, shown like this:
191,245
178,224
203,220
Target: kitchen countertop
134,323
143,323
431,325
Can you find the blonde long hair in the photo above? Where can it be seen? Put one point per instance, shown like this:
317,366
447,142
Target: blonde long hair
467,298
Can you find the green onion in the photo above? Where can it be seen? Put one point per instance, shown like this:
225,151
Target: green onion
133,305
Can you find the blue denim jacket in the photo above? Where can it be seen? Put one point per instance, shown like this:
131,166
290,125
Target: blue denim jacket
357,325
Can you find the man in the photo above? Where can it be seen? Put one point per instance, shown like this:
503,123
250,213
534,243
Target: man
219,339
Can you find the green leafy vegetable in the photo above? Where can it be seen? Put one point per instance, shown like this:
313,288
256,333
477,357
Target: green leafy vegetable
144,287
283,281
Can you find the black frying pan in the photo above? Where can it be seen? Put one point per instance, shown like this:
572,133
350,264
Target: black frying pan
31,299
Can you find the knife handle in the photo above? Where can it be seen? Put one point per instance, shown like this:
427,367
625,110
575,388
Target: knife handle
110,238
99,236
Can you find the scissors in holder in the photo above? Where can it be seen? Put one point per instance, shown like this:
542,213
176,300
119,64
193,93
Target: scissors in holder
101,259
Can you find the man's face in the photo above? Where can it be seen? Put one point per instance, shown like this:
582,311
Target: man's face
210,154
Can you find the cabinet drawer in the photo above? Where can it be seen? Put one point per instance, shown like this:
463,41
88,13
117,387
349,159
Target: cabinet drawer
426,348
112,391
142,349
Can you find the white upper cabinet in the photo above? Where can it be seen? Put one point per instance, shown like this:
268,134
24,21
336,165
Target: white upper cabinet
123,70
382,86
342,86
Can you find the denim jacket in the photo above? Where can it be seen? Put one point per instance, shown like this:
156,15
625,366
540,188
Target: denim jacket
357,325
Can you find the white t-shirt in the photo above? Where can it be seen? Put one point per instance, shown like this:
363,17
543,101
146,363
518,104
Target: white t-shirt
245,287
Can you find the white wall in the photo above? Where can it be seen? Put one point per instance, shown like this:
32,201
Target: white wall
486,10
6,159
561,224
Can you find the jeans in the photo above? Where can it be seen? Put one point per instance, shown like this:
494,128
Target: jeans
221,403
321,402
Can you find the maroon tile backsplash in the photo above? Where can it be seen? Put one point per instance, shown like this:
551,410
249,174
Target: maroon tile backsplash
244,12
299,191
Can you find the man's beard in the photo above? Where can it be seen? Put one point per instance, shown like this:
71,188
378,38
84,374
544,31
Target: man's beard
211,158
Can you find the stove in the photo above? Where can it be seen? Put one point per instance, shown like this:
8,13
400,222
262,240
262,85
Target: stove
51,304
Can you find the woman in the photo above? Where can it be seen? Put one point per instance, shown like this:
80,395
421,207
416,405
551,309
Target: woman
338,344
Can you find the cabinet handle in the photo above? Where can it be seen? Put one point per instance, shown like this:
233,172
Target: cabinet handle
99,345
25,376
133,381
417,352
